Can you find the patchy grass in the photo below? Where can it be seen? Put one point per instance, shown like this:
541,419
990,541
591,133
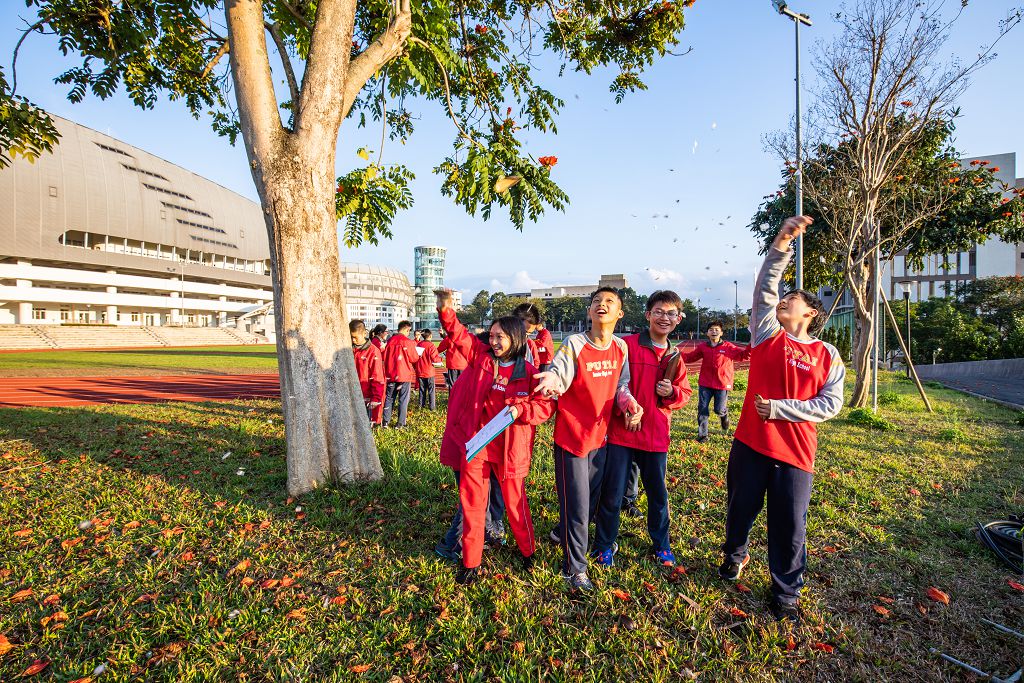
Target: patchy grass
866,418
228,360
157,541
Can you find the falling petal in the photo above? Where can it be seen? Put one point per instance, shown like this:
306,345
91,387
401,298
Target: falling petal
502,184
714,125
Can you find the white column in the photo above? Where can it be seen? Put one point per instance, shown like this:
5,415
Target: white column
24,313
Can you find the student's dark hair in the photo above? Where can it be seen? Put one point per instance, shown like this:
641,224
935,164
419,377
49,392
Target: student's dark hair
515,328
354,325
715,323
379,329
529,313
404,325
818,322
610,290
426,333
664,296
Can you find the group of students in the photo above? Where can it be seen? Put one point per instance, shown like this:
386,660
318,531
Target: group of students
612,400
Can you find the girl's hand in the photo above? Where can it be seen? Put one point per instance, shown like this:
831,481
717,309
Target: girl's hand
444,298
634,418
664,388
547,384
514,412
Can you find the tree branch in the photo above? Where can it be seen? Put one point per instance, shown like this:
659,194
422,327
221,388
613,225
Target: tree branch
447,90
317,113
254,85
386,47
224,49
14,59
295,13
282,49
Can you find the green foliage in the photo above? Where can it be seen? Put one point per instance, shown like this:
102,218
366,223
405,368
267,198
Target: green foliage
971,198
952,434
838,337
1020,419
865,418
368,198
25,130
477,311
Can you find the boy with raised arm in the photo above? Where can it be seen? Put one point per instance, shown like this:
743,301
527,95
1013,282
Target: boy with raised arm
795,382
717,368
589,374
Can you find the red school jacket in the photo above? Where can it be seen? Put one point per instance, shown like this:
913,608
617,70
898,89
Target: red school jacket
454,354
647,366
716,363
466,403
400,358
545,347
425,363
370,370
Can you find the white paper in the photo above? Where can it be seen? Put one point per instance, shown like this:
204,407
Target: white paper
488,433
420,350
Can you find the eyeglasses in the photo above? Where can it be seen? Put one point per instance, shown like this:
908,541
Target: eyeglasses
667,315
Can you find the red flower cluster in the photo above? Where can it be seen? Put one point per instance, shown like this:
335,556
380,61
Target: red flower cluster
953,181
548,162
907,103
995,169
688,3
481,29
1007,214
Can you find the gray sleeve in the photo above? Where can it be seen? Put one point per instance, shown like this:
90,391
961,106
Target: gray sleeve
763,323
824,406
563,365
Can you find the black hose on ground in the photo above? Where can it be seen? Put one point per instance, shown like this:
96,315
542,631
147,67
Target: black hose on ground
1006,539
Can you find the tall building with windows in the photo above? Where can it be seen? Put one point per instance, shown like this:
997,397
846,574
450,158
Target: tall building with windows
428,275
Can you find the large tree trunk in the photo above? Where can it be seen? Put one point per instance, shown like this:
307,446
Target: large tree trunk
861,281
326,426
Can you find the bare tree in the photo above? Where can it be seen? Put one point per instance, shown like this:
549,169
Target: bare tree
884,85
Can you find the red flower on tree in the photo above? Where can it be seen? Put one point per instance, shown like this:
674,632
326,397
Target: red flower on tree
481,29
907,103
548,162
995,169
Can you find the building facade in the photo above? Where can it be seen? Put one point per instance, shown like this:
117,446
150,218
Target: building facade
428,275
376,295
617,281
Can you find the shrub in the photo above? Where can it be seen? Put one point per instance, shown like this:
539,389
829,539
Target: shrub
952,434
866,418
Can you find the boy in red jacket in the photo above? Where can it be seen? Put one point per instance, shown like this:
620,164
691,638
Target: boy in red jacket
590,375
454,359
370,369
542,349
497,377
795,381
716,373
657,380
425,370
400,358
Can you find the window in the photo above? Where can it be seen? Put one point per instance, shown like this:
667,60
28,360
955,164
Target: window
39,314
186,209
200,225
217,242
53,191
166,191
115,150
65,315
144,171
135,316
826,292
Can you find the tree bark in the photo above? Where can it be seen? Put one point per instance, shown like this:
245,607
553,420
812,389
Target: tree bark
860,280
326,427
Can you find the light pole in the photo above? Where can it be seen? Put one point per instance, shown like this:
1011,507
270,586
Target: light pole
782,8
935,353
736,310
906,300
698,318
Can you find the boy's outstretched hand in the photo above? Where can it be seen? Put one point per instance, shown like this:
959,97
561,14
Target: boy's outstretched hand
791,228
547,384
444,298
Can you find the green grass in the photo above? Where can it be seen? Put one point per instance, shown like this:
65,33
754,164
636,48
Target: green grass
136,519
211,359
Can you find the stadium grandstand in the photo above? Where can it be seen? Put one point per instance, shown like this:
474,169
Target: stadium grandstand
105,245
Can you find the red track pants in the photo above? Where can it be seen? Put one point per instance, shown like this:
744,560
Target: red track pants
473,490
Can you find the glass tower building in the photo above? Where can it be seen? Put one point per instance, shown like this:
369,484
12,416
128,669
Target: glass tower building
428,276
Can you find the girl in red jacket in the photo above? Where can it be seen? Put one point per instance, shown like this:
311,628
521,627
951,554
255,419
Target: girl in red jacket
497,376
370,370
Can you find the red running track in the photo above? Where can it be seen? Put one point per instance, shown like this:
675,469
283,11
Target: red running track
84,391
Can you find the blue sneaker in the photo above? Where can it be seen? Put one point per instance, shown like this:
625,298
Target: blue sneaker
665,557
606,558
448,553
579,583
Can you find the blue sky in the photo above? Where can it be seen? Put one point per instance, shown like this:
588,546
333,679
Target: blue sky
688,151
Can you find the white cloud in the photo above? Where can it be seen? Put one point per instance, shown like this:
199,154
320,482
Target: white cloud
497,286
661,278
522,281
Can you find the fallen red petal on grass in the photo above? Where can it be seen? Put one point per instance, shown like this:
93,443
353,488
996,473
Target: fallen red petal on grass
652,588
620,594
914,492
737,612
23,594
132,525
742,588
5,645
359,668
882,598
937,595
240,567
20,533
87,679
269,584
247,581
830,549
881,610
1014,585
790,643
287,581
824,647
35,668
339,600
51,600
299,613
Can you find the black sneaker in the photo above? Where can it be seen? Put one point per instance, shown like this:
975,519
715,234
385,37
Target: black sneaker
446,552
702,438
466,575
786,611
730,571
492,538
632,510
527,562
554,536
725,423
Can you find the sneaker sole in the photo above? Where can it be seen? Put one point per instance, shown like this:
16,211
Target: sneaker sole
739,572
